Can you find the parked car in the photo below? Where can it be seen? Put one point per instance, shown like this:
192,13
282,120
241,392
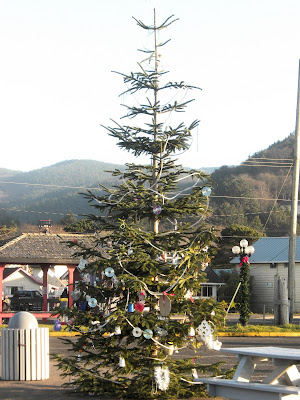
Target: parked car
27,300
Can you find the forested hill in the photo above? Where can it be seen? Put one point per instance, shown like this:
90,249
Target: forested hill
51,192
246,194
241,195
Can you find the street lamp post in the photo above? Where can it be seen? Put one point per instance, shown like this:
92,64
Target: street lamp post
244,251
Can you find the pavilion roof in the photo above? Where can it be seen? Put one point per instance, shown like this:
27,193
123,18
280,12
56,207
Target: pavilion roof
36,248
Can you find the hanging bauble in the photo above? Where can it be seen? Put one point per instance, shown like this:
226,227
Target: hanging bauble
156,209
160,331
170,349
130,251
75,294
217,345
137,332
209,342
121,362
206,191
164,305
109,272
92,302
139,306
57,325
142,295
191,331
148,333
117,330
162,377
82,264
130,307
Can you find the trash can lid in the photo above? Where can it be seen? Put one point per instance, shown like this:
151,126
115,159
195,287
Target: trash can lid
23,320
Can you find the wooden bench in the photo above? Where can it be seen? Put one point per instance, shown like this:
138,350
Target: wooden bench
240,390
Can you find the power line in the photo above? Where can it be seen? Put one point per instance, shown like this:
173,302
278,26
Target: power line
49,185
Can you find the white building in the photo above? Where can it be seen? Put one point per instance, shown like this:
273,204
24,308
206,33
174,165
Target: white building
271,258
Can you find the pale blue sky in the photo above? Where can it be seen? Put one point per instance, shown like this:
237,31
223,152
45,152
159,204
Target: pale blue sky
57,88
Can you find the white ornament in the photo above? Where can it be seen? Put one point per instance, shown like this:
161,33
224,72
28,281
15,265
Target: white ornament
137,332
194,373
82,264
217,345
121,362
109,272
204,329
191,331
162,377
117,330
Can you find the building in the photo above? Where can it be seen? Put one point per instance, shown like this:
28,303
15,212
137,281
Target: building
271,258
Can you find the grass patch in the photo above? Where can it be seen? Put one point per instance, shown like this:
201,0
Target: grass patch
238,328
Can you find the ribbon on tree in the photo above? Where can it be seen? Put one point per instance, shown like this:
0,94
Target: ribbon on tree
244,260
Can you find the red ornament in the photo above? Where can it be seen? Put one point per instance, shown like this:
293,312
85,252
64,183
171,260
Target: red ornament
139,306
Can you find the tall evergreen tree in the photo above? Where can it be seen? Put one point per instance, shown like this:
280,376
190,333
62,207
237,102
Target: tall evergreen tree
143,286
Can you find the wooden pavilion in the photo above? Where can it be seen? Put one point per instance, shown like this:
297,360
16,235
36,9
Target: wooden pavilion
43,251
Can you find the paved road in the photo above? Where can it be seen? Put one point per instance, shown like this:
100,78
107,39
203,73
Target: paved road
210,356
51,388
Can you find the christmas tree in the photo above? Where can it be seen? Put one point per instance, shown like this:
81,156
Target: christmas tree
145,267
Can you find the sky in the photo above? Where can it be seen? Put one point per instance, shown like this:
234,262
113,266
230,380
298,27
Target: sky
57,87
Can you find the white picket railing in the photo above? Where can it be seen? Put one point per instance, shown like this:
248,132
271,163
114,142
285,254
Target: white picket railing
24,354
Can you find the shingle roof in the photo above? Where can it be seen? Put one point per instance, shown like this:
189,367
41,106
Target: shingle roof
272,250
35,248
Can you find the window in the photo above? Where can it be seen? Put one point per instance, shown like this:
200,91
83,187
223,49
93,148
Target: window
273,265
10,290
206,291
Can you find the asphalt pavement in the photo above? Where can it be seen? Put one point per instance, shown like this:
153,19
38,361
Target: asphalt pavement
52,388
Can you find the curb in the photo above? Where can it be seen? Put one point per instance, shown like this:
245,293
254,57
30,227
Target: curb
261,334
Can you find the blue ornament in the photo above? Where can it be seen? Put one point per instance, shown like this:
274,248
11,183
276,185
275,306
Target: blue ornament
130,307
109,272
57,325
156,209
148,333
92,302
206,191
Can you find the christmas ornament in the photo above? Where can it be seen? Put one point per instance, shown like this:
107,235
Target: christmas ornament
164,305
92,302
161,332
75,294
109,272
57,325
142,296
130,251
139,306
217,345
117,330
137,332
82,264
148,333
162,377
156,209
204,330
170,349
191,331
130,307
206,191
121,362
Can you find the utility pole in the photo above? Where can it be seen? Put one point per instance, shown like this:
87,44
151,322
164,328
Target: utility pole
294,210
